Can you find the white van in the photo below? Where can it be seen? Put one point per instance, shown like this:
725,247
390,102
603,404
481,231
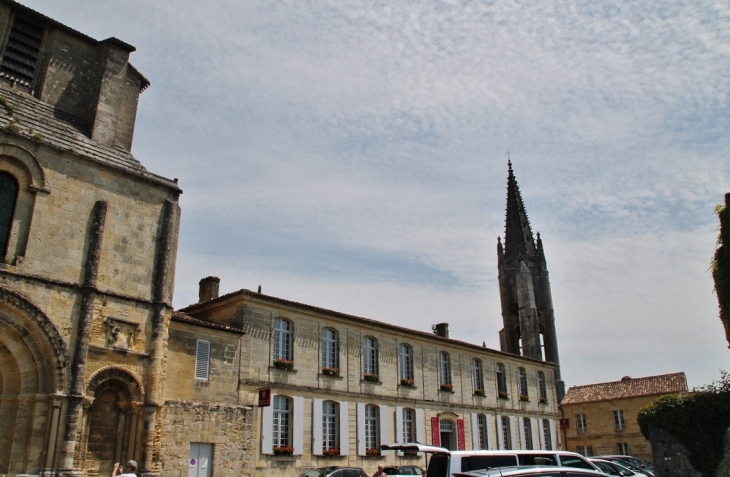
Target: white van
444,463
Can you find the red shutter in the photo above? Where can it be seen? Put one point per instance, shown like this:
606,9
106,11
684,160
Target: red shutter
460,433
435,431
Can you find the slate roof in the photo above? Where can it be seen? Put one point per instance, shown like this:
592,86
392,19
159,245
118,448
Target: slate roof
35,120
191,320
627,388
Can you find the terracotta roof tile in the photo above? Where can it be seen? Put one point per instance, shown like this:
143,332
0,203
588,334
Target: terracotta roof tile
627,388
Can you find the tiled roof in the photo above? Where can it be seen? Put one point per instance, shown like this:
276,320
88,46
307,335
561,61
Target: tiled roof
627,388
191,320
35,120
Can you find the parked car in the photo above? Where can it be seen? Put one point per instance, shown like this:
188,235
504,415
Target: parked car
444,463
532,471
637,465
614,468
336,471
403,470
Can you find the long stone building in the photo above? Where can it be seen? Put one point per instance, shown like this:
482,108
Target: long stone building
340,386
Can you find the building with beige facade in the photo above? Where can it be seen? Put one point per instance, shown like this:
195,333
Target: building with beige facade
341,386
602,417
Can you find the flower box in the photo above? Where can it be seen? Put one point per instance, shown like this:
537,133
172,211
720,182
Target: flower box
331,452
284,364
447,387
283,450
373,378
407,382
335,372
524,397
543,401
502,395
372,452
480,392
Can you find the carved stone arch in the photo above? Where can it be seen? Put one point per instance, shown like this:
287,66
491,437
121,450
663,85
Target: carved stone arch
41,338
23,158
115,373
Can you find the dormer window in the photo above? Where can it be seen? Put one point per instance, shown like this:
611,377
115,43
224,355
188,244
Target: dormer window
21,52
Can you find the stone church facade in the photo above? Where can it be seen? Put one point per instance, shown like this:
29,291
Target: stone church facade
88,241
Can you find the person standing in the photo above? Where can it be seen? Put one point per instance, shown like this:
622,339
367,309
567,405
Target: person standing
130,469
379,473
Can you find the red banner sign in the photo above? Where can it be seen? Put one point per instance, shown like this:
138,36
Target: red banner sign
565,423
460,433
435,431
264,397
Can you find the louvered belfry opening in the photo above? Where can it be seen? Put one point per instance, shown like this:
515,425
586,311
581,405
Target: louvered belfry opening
21,52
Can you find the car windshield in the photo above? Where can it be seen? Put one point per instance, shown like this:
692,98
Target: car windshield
321,472
391,470
624,469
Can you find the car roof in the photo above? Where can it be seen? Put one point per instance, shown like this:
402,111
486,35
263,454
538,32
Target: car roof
526,469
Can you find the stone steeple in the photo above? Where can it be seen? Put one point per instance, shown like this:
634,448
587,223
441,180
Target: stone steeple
527,307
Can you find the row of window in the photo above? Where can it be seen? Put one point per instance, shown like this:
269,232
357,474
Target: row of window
622,448
619,424
283,353
282,428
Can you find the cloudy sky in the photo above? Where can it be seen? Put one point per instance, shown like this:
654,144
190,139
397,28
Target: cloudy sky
353,155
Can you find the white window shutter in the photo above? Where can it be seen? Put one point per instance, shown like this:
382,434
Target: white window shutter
344,429
267,429
384,428
490,432
474,431
420,427
316,427
360,428
399,425
515,426
535,433
298,425
202,360
553,434
543,444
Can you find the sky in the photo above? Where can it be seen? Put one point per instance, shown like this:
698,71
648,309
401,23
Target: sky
352,155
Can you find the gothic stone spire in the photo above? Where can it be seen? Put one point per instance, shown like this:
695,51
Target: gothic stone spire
518,240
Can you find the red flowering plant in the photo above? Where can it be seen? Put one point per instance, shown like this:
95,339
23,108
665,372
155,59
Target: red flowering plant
283,450
331,452
285,364
372,452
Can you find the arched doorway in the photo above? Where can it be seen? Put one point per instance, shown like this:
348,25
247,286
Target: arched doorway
33,364
112,420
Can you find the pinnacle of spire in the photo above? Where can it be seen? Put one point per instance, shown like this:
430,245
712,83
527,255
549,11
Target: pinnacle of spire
518,240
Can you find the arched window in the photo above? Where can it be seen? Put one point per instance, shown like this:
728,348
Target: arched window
522,379
282,422
445,371
330,350
541,388
8,196
477,374
370,358
482,430
446,428
501,380
506,433
409,425
527,433
405,364
330,427
372,431
282,340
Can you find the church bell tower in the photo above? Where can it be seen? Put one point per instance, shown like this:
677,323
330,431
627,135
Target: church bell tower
527,305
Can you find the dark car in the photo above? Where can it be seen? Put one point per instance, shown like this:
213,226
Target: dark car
637,465
336,471
401,470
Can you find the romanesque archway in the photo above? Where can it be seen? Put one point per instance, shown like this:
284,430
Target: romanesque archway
33,368
112,419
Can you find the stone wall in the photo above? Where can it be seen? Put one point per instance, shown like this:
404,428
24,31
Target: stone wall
227,427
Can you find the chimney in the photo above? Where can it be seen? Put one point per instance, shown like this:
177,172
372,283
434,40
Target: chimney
441,329
208,289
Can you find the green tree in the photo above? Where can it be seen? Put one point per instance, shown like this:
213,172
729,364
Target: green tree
721,265
697,420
